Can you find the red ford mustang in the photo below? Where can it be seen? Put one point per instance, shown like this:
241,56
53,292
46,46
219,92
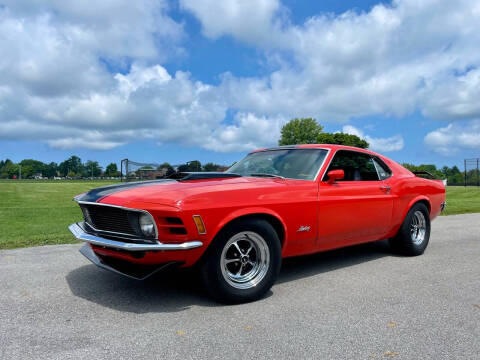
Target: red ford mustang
237,226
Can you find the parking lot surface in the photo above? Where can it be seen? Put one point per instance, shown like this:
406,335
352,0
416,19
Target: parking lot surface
356,303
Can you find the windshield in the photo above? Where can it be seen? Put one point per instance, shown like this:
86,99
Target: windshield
300,164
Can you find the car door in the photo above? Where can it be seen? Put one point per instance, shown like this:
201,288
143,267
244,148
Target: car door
357,208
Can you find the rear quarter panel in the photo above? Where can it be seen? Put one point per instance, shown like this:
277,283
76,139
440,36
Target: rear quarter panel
410,189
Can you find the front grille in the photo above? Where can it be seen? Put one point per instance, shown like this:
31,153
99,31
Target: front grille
107,218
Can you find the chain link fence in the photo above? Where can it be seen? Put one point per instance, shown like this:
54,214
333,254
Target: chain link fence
138,171
471,172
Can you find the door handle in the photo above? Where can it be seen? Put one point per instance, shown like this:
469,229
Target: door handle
386,188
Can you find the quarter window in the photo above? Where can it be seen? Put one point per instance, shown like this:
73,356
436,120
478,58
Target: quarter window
356,166
383,170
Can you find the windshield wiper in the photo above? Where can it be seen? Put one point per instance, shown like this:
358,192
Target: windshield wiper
267,175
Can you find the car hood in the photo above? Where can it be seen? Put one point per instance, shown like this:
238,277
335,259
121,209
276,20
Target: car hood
170,192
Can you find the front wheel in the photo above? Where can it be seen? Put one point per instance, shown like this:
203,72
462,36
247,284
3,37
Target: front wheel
413,236
243,263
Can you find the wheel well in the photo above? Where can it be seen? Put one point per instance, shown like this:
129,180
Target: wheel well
425,202
272,220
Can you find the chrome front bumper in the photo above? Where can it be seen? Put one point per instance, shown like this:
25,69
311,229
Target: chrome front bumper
81,234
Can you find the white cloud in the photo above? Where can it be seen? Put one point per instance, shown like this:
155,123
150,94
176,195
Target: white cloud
388,61
454,138
455,98
392,143
109,28
147,103
248,20
248,132
90,74
55,89
138,77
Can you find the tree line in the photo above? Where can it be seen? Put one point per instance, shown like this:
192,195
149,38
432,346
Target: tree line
74,168
165,170
453,174
71,168
296,131
442,173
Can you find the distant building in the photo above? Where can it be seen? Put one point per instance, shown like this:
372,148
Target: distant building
151,173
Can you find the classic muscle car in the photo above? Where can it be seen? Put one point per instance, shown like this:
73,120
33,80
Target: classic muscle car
236,226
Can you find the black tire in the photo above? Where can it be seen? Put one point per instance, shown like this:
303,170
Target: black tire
406,242
221,284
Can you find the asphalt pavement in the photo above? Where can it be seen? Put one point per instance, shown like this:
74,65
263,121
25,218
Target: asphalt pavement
356,303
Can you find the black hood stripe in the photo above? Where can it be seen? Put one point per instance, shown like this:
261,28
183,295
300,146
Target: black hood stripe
97,194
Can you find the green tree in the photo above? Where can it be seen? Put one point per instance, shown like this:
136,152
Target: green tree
2,168
211,167
72,165
165,165
194,165
26,171
341,139
31,167
10,170
432,169
50,170
308,131
300,131
111,170
91,168
169,168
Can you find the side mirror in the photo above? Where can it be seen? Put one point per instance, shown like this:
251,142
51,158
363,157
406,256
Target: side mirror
335,175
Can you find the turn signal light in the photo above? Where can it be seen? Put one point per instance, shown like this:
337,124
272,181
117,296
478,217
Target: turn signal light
199,223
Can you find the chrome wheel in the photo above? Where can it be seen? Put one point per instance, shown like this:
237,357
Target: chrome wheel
245,260
418,227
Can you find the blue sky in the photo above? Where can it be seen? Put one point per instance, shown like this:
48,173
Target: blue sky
174,81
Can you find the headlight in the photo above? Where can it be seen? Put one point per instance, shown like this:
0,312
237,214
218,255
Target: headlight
146,225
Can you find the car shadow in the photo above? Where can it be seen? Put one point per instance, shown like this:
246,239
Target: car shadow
178,290
310,265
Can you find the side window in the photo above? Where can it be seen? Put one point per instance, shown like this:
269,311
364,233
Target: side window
355,165
383,170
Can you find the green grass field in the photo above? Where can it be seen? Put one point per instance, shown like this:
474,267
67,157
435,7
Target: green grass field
461,200
36,213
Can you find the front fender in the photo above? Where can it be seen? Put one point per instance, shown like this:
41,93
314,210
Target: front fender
249,211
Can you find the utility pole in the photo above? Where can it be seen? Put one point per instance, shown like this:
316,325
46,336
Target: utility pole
19,172
465,168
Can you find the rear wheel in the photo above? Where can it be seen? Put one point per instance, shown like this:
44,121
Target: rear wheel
413,236
243,263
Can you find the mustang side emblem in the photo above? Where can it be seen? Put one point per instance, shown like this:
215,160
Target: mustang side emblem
303,228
